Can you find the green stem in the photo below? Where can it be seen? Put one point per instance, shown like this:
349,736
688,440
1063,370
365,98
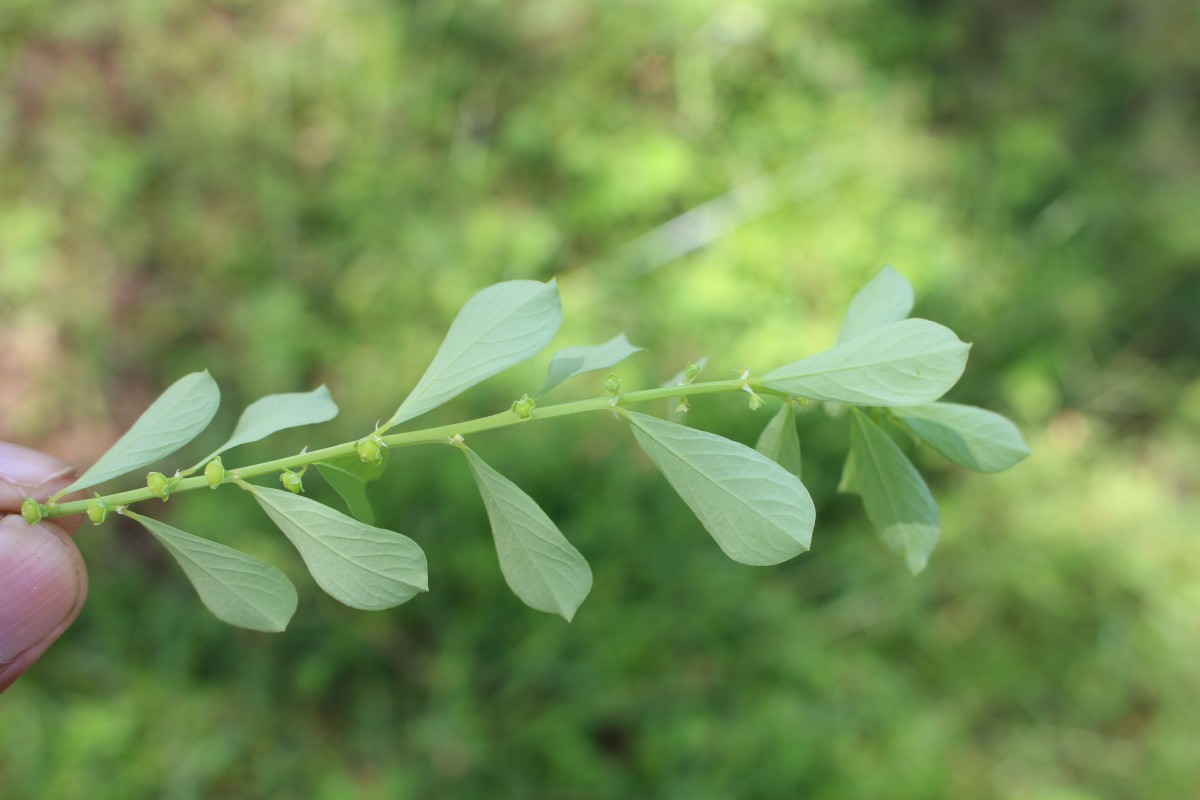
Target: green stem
439,435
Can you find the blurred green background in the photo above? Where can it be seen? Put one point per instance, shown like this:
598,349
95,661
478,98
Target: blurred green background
306,192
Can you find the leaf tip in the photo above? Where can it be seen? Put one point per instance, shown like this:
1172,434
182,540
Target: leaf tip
916,564
567,613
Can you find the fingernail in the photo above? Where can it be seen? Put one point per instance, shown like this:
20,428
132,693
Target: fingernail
39,585
26,473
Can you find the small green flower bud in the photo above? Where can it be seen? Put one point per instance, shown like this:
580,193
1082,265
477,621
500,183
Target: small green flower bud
292,481
523,408
370,449
214,472
683,406
31,510
97,510
692,371
612,384
756,402
160,485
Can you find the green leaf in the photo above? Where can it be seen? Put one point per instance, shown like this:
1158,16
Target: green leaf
901,364
499,327
779,441
970,437
574,361
278,412
758,512
886,298
362,566
349,476
848,484
174,419
897,501
539,564
235,587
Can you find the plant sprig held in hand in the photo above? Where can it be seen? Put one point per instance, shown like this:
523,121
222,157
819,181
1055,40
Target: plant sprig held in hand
890,369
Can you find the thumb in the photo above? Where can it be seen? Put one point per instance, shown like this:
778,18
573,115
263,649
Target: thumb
42,587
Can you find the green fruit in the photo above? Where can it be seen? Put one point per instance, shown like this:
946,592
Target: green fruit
292,481
370,449
31,510
159,485
97,511
214,472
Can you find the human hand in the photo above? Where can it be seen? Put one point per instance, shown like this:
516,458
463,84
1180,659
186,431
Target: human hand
43,581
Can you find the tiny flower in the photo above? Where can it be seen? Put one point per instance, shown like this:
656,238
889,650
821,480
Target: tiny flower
523,408
756,402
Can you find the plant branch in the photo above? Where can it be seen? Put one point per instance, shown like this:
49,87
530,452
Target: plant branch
437,435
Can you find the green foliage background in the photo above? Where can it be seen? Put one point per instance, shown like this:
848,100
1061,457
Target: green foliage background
305,192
